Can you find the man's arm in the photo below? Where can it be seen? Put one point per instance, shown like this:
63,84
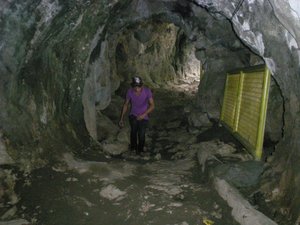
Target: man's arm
124,110
149,110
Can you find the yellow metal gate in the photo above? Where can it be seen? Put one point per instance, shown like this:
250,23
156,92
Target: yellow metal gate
245,106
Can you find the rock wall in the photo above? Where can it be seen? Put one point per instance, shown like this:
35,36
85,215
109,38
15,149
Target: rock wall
158,52
46,53
148,51
275,37
57,67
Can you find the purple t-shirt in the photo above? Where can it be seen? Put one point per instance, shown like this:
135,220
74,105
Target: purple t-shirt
139,104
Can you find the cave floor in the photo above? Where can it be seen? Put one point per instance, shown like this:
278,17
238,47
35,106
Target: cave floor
163,186
161,192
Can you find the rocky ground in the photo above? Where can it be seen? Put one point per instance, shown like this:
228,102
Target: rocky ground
170,183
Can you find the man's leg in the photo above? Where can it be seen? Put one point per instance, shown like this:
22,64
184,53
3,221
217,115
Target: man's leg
142,134
133,132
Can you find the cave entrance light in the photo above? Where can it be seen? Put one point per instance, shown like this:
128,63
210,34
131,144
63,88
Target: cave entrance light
159,52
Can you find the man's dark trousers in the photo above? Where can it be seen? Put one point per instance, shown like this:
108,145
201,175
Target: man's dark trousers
137,134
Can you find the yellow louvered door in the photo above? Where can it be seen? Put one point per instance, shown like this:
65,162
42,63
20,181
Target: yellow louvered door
245,106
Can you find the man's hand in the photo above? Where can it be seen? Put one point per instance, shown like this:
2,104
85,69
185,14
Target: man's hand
124,110
121,123
141,117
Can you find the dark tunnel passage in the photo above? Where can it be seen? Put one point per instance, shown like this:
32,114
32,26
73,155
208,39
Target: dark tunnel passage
65,68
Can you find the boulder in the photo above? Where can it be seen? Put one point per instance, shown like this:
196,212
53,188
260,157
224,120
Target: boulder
115,148
241,174
106,129
199,119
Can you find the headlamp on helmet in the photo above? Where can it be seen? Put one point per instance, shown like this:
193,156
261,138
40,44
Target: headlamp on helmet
137,81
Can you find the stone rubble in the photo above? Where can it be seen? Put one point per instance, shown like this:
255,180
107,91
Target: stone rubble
111,192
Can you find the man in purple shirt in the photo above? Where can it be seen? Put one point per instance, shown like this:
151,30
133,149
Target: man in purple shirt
141,100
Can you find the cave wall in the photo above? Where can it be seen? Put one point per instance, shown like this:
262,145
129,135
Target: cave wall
159,52
46,53
148,54
274,37
55,66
